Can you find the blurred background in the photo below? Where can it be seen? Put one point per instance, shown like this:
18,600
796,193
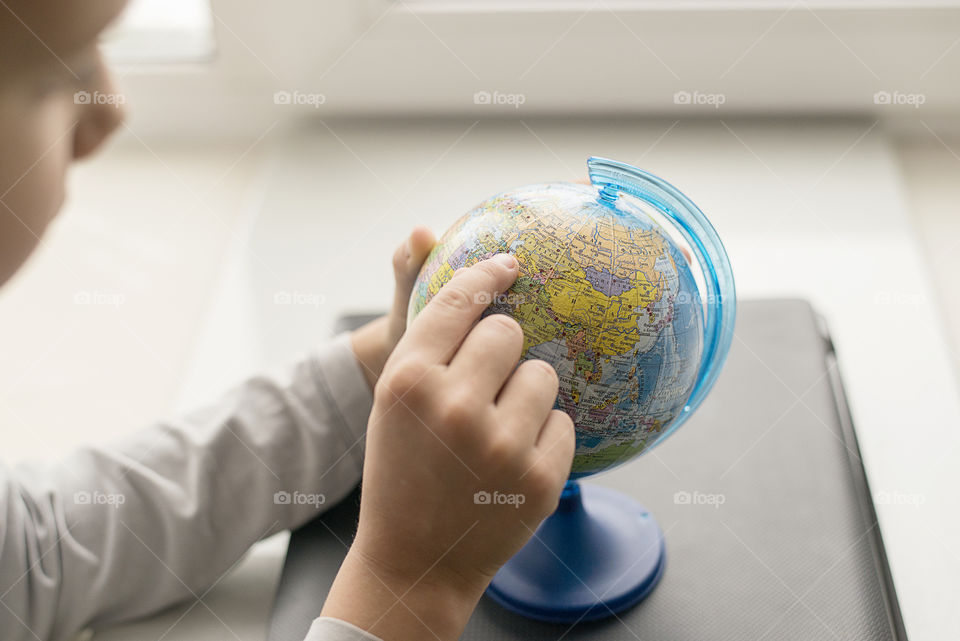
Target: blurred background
276,153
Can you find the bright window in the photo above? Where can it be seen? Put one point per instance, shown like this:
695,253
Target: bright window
162,31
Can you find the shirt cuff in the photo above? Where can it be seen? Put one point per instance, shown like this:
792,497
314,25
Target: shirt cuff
348,393
330,629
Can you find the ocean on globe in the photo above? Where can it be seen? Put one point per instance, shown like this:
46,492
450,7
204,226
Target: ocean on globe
603,294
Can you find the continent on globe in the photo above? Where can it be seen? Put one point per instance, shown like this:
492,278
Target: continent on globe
604,295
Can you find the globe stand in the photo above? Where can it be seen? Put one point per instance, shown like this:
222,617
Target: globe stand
600,553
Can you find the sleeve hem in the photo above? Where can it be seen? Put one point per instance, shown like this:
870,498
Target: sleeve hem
330,629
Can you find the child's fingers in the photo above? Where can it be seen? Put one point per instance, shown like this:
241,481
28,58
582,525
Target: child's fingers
527,398
489,353
556,445
416,250
447,318
407,261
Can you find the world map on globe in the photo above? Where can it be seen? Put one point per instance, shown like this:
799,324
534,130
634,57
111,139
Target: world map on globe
603,294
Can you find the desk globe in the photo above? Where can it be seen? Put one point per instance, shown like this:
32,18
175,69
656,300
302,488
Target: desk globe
625,288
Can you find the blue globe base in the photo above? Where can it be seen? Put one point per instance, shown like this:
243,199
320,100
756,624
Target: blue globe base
600,553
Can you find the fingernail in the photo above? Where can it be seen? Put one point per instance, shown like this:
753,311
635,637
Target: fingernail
506,260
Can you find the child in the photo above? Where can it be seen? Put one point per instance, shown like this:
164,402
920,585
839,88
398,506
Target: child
450,414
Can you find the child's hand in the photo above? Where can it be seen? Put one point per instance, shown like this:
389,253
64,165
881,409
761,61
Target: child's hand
465,458
373,342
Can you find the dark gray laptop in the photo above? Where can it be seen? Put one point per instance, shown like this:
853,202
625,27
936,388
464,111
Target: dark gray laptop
770,529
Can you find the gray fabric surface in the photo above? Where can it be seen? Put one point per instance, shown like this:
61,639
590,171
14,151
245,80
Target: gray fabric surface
769,527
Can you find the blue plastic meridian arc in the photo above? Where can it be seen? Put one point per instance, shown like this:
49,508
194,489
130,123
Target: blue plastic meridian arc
720,302
584,564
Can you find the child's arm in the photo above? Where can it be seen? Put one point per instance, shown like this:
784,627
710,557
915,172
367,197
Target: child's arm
118,532
453,416
114,533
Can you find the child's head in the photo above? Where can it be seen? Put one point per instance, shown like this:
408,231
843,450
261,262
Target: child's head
48,52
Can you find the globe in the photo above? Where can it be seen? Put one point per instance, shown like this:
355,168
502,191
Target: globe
626,290
604,295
